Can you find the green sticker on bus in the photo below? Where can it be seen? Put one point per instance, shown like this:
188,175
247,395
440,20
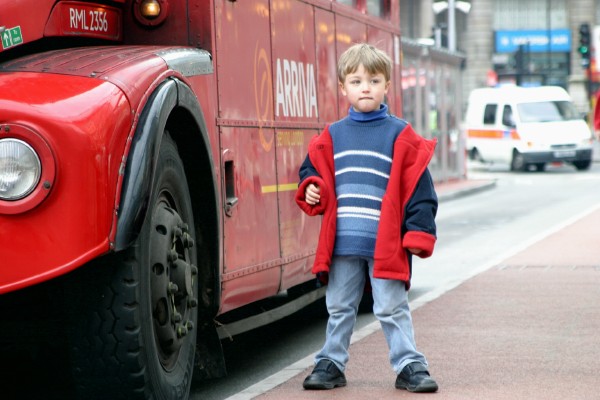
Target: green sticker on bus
12,37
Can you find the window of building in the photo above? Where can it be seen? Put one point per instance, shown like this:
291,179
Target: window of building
409,18
531,14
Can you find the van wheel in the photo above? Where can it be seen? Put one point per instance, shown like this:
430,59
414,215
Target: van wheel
474,155
518,162
582,165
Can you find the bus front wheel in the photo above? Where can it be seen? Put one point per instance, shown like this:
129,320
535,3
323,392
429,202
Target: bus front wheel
133,325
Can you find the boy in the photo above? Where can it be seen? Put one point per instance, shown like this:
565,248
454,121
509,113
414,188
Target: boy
367,175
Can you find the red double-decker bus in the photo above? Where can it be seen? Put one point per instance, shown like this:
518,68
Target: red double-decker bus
149,152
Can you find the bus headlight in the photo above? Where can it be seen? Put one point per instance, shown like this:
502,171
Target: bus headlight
20,169
27,168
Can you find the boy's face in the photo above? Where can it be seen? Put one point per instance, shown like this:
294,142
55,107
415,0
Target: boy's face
364,91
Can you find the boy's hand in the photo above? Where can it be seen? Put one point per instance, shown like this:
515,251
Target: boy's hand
312,194
415,251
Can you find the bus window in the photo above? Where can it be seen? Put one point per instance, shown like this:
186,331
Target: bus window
347,2
376,8
489,114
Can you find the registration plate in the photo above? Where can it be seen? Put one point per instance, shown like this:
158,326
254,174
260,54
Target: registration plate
92,20
564,153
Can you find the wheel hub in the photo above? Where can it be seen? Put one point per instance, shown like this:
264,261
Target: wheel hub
172,282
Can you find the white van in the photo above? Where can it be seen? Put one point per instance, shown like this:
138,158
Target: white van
526,126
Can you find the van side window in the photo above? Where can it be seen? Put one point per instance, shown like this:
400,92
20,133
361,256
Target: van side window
507,117
489,114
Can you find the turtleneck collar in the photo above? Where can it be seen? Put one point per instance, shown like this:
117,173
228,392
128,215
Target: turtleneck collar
369,116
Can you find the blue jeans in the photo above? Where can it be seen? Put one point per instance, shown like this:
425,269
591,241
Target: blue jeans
347,277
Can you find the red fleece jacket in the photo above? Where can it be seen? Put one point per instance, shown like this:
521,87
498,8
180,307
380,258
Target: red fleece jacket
412,154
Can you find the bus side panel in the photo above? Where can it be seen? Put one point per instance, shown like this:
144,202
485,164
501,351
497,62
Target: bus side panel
243,60
245,100
295,81
299,233
294,61
348,32
327,82
251,235
204,86
201,27
384,40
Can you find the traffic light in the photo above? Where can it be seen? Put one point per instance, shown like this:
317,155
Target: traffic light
584,44
520,59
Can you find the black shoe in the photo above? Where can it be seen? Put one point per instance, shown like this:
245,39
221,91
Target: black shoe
325,376
415,378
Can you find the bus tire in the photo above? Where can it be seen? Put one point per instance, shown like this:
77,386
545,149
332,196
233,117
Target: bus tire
133,333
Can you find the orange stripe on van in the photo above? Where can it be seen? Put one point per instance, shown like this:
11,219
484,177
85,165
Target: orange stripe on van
493,134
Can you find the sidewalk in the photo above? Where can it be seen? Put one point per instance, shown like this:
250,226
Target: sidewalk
526,328
456,188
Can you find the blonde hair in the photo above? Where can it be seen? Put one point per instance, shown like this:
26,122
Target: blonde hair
373,60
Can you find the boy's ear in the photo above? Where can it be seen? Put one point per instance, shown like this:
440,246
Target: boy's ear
341,84
387,85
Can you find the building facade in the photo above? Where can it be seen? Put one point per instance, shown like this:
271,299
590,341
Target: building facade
526,42
431,99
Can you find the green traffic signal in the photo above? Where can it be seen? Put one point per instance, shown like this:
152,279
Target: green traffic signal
584,44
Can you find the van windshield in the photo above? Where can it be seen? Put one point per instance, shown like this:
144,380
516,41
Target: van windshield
547,111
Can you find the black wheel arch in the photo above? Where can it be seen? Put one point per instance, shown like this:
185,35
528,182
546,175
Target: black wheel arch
173,107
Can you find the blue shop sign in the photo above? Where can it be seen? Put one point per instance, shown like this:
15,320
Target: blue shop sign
536,40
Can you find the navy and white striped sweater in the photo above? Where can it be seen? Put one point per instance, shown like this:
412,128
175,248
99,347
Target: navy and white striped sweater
363,148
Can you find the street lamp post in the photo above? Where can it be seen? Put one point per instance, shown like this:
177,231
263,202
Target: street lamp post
451,6
451,25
